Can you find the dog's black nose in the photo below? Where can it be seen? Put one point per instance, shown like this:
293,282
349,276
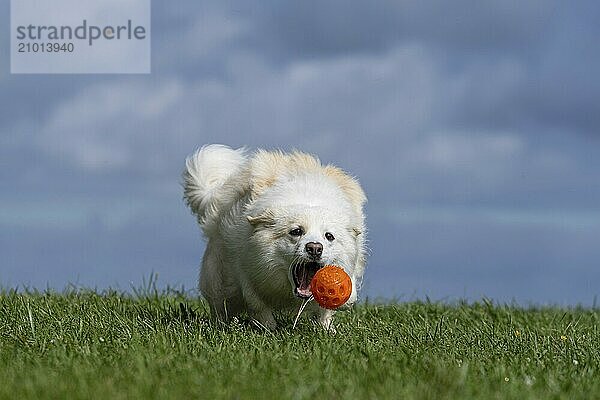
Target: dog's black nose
314,249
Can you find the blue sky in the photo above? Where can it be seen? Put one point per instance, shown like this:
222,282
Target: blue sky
474,128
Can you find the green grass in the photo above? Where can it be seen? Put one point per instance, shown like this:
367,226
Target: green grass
110,345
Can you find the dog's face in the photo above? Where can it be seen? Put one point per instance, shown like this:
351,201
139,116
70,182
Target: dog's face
301,239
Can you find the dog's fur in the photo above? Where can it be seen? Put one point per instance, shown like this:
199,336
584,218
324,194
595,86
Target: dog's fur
248,207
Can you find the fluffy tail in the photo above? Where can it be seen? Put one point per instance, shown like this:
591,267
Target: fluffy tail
205,173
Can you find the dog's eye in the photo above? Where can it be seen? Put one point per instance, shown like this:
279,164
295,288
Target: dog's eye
329,236
297,232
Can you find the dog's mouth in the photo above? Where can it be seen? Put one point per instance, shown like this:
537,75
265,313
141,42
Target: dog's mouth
303,274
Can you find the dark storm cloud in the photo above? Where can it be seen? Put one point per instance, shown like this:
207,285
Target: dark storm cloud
556,90
329,28
550,47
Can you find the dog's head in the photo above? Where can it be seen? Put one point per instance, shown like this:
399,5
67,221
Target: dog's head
301,229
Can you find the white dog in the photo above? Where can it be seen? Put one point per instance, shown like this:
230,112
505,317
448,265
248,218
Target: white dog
272,220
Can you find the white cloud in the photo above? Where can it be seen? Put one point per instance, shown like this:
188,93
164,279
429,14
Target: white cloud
380,117
104,126
479,153
206,35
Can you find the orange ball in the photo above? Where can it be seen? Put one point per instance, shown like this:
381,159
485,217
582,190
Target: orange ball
331,287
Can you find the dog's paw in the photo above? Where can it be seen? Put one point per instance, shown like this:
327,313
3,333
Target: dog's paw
264,320
326,320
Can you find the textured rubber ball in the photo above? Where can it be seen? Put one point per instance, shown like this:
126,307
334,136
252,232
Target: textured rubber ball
331,287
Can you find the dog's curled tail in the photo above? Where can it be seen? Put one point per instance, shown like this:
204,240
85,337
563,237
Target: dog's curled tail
206,171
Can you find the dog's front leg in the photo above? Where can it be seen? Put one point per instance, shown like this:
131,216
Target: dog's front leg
326,319
260,313
264,319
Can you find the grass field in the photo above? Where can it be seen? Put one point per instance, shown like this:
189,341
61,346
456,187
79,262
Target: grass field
110,345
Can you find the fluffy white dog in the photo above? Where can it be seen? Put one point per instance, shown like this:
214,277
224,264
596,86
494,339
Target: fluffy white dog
272,220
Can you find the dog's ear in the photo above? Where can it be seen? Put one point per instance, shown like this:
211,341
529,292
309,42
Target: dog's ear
264,218
349,186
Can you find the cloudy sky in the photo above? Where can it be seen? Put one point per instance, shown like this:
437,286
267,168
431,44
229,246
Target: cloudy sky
474,128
